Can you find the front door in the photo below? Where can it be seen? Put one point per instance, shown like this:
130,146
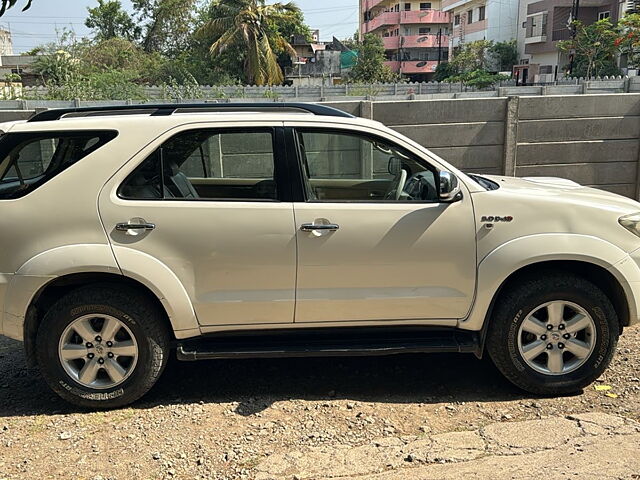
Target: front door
374,242
223,225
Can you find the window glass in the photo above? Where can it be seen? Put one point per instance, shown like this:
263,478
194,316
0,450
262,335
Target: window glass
207,165
342,166
28,160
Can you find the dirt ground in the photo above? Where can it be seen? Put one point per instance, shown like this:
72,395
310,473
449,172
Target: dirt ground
399,417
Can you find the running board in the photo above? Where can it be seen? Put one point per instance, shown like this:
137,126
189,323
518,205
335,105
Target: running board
336,344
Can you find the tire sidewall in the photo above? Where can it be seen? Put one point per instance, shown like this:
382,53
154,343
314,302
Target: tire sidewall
597,361
49,338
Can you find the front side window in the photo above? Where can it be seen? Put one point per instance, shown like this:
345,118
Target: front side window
481,13
339,166
470,16
425,6
207,165
28,160
456,20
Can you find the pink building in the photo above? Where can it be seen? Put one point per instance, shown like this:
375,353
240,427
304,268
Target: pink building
415,34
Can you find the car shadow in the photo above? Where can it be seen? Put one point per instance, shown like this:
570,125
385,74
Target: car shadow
255,385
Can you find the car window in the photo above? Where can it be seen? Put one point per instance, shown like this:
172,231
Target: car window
28,160
207,165
345,166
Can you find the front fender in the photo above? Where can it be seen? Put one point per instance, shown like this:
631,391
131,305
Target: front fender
511,256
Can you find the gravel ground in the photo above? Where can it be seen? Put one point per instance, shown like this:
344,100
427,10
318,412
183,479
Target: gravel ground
262,418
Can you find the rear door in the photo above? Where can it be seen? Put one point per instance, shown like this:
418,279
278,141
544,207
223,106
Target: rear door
370,249
219,201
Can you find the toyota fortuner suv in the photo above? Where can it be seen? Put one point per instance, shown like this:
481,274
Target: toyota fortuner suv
265,230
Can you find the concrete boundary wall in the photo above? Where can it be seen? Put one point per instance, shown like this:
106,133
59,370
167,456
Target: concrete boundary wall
591,139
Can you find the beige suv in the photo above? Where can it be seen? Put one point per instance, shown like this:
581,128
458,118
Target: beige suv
266,230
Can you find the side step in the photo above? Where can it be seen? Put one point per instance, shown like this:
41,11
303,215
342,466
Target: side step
336,343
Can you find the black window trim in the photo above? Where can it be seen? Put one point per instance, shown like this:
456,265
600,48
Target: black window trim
106,136
301,194
281,174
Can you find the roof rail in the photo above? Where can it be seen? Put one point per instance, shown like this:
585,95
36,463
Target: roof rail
171,108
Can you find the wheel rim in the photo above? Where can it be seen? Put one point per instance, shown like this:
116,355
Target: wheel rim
557,337
98,351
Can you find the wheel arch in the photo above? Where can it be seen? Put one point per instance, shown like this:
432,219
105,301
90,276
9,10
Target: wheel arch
50,292
597,260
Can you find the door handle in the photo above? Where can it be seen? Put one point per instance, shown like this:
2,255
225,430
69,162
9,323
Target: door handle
310,227
125,227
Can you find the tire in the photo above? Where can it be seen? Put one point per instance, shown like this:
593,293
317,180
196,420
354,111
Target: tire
140,333
525,302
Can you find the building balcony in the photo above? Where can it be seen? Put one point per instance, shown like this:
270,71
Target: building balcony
413,66
418,17
448,5
415,41
535,39
369,4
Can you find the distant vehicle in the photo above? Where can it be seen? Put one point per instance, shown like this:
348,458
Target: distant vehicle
268,230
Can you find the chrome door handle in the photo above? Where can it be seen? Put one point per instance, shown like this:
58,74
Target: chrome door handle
124,227
310,227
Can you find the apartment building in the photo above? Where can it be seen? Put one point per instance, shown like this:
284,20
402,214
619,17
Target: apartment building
543,23
415,34
493,20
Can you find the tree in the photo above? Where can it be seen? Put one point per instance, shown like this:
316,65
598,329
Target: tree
628,40
109,20
167,24
249,25
472,56
506,54
594,48
6,4
370,67
444,70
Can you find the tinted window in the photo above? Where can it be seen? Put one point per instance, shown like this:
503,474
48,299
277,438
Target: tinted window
28,160
351,167
207,165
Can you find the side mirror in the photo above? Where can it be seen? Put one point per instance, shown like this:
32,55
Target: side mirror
449,187
395,166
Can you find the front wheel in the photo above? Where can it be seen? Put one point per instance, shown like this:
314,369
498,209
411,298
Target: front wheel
553,334
102,347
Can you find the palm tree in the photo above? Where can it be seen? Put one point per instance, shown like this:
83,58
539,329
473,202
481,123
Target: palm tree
10,3
248,24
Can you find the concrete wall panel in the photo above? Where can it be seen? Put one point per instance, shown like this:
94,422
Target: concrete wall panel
455,134
577,152
564,130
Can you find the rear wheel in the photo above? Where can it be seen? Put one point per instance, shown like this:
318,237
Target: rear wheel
553,334
102,347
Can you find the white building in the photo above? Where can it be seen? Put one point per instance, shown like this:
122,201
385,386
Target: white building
493,20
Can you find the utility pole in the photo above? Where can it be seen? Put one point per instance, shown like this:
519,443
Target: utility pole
575,11
439,45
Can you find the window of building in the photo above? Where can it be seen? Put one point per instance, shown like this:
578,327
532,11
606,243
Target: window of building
207,165
481,13
425,6
407,7
546,69
603,15
456,20
29,160
407,31
424,30
470,16
396,8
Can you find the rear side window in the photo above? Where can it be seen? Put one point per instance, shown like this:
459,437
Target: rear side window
28,160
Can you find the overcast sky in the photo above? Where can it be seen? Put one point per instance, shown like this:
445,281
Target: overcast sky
39,24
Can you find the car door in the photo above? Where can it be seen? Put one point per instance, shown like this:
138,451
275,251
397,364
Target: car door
367,250
215,201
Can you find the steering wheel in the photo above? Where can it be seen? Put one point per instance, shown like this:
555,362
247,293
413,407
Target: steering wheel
421,186
400,182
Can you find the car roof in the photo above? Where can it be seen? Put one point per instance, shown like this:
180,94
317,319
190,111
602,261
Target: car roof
117,122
